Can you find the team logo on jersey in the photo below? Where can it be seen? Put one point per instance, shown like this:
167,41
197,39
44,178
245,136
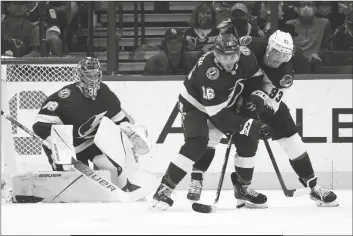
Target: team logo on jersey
245,51
212,73
65,93
286,81
89,128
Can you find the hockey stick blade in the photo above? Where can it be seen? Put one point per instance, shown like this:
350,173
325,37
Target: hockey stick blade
201,208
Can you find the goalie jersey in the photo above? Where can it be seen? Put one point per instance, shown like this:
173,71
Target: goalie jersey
69,106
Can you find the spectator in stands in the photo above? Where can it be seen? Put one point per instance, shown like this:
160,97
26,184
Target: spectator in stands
172,59
343,37
314,37
329,10
240,25
19,38
55,16
203,28
223,14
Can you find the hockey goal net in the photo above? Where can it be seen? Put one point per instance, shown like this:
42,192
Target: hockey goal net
25,84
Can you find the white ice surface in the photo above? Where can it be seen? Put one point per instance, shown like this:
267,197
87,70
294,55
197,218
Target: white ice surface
284,216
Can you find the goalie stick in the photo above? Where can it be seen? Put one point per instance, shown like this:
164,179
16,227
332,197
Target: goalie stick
202,208
119,195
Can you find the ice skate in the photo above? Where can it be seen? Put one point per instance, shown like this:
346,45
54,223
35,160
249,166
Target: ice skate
161,199
195,187
246,196
323,197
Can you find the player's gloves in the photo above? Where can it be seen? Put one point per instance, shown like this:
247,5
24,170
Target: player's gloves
255,129
260,102
258,98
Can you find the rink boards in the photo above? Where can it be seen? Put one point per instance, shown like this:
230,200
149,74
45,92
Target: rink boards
320,104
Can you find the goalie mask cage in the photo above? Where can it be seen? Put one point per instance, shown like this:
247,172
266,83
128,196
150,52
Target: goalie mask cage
25,84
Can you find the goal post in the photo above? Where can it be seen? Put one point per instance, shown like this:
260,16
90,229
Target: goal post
25,84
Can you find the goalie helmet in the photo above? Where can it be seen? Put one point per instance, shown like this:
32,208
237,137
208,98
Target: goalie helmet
90,76
279,49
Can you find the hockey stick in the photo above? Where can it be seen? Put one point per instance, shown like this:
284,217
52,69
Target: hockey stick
287,192
202,208
89,173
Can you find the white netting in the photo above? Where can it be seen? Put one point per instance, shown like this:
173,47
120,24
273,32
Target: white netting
27,83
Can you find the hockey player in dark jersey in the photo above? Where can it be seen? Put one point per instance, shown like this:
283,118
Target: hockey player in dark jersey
276,64
210,90
83,104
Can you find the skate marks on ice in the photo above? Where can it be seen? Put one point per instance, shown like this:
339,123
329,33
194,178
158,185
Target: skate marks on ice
284,216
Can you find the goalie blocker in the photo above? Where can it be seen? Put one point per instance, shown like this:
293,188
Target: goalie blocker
70,186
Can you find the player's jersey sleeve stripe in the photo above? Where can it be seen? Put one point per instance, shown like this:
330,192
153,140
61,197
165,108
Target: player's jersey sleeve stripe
258,73
118,117
210,110
83,146
185,94
49,119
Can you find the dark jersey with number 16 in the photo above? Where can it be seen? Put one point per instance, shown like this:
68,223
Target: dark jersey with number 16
211,90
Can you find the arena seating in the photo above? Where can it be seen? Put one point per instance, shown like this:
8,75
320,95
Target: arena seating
150,33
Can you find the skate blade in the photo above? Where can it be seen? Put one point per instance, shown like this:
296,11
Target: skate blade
245,204
326,204
320,203
193,199
159,206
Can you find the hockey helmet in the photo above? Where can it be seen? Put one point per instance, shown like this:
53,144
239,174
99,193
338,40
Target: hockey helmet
90,76
280,48
227,51
226,44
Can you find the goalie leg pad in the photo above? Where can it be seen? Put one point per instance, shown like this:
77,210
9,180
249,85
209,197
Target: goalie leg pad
52,186
118,149
62,144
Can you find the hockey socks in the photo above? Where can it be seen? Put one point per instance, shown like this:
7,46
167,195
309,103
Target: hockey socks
303,168
199,168
205,161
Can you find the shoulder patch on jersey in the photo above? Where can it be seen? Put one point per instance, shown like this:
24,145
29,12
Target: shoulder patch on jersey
286,81
65,93
245,51
212,73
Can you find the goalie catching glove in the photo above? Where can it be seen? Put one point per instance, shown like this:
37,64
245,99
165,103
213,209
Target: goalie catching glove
138,137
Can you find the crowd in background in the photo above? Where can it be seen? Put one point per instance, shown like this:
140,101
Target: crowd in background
20,29
319,30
